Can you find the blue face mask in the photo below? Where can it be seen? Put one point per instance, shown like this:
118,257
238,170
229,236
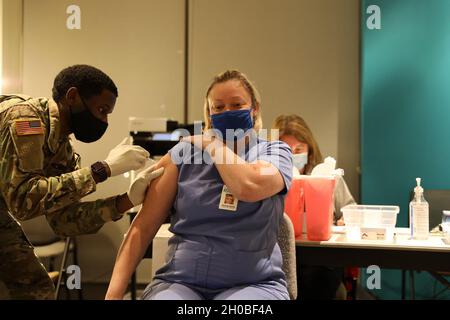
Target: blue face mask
234,120
300,160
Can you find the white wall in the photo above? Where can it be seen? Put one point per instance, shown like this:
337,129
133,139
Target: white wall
12,45
303,56
348,87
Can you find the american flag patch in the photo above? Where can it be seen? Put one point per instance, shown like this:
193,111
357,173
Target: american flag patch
28,127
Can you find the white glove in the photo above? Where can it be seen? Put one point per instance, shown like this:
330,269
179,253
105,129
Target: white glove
125,157
138,188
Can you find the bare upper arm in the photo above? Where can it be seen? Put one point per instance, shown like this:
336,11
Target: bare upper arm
164,187
160,194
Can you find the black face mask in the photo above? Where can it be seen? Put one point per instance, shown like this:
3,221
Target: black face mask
85,126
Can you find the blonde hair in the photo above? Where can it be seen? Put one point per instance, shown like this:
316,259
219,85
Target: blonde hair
251,89
295,126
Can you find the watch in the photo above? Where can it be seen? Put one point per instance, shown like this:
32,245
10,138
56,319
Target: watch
99,169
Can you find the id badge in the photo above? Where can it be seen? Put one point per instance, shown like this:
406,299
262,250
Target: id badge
227,200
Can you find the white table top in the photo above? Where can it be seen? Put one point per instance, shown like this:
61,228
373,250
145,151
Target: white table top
435,241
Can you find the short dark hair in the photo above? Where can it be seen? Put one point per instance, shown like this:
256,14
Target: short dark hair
89,81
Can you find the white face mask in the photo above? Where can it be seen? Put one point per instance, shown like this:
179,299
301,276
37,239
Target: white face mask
300,160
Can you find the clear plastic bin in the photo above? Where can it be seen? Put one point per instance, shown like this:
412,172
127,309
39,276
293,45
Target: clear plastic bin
370,222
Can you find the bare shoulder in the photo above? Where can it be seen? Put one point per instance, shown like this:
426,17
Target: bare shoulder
163,188
166,163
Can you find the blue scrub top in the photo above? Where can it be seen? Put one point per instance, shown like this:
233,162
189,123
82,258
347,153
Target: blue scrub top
213,248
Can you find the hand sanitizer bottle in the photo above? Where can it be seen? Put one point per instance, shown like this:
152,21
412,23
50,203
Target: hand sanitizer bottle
419,214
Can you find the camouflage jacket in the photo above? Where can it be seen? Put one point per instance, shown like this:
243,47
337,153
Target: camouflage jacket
40,172
39,175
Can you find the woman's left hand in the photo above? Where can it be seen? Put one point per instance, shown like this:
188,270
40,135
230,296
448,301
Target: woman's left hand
340,222
201,141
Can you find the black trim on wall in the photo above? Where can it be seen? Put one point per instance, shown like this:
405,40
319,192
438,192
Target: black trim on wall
186,60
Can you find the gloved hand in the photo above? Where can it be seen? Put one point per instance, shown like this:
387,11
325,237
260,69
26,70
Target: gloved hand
125,157
138,188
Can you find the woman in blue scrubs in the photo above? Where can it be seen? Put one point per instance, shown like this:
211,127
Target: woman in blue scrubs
226,208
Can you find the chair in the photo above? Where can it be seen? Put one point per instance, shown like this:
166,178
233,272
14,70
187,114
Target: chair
47,245
286,241
438,200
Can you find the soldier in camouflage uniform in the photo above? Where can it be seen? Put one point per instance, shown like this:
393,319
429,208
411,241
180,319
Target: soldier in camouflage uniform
40,173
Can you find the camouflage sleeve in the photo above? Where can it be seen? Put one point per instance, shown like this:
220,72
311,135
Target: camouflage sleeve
29,194
83,217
